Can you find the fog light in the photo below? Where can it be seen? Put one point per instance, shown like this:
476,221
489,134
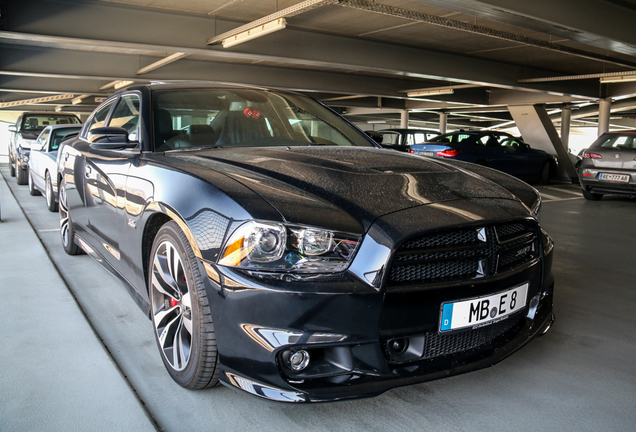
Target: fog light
299,360
398,346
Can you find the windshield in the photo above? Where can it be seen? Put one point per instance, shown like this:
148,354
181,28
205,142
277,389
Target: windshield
60,134
37,122
453,138
390,137
616,141
245,118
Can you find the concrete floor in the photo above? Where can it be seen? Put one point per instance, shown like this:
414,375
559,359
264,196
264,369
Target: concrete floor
579,377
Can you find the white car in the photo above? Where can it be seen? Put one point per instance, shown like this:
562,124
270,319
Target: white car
43,162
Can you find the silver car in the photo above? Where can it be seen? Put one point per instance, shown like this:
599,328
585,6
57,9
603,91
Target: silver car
609,166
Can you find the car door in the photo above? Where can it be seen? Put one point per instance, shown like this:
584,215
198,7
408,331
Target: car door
521,160
35,158
106,172
74,172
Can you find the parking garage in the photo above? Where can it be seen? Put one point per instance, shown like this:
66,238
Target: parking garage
80,354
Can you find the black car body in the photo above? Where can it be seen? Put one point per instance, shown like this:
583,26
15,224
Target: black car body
609,166
278,250
497,150
23,135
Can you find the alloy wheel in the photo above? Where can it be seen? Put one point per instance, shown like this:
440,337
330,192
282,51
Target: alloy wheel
64,220
171,306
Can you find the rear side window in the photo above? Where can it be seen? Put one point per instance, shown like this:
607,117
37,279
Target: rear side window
627,141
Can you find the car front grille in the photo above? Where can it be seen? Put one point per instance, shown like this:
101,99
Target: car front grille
463,254
438,345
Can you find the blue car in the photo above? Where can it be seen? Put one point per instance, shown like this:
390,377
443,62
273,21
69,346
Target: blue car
497,150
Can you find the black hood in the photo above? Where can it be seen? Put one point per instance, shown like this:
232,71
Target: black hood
343,188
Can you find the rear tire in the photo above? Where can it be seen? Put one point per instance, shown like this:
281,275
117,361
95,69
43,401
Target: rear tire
67,232
51,204
592,196
32,190
544,176
180,311
21,176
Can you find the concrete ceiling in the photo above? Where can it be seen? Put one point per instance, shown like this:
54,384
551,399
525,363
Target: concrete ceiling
359,56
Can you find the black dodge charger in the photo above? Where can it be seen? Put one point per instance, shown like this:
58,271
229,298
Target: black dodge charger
278,250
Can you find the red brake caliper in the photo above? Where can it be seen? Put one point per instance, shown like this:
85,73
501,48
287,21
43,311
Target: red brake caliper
173,302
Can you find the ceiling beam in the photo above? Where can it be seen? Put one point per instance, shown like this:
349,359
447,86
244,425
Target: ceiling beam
604,24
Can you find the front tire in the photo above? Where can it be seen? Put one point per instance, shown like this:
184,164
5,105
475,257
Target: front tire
11,167
21,175
180,311
67,232
51,204
32,190
592,196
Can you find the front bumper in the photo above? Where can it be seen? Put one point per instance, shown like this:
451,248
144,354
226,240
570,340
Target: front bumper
345,325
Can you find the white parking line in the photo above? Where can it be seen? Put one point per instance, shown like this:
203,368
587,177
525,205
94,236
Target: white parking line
49,230
550,197
563,199
564,190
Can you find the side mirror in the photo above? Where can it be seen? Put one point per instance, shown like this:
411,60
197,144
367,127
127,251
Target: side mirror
110,138
12,128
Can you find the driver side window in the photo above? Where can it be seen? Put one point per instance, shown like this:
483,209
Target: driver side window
126,115
99,118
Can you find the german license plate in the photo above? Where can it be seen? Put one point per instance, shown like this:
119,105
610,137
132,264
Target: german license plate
427,153
482,311
615,177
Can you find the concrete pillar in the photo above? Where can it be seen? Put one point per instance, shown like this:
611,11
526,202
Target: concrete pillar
443,120
404,119
566,120
604,111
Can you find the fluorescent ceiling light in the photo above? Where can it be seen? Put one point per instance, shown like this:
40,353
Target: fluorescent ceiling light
433,92
618,79
284,13
255,32
78,100
59,108
376,121
121,84
164,61
117,84
36,100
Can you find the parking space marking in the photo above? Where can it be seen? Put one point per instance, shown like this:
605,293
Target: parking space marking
550,197
563,199
564,190
49,230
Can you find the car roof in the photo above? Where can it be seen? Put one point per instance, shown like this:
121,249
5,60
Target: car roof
25,113
407,130
62,126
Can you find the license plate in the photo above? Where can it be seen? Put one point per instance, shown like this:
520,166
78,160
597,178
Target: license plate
428,153
482,311
615,177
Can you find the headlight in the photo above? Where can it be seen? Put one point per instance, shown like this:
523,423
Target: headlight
536,209
24,157
273,246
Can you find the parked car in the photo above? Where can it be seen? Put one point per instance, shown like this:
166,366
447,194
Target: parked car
23,135
609,166
42,169
402,139
278,250
497,150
